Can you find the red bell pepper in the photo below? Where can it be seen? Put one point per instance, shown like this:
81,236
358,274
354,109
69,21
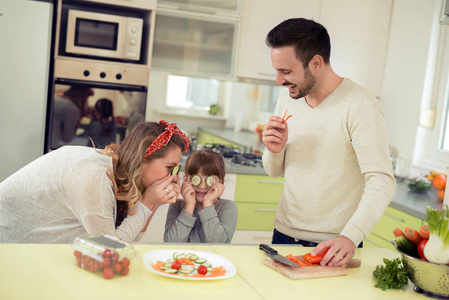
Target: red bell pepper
420,248
317,258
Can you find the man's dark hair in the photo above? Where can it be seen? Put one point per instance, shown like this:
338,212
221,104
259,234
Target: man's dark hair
307,36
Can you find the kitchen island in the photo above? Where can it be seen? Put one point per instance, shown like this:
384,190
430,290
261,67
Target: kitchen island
42,271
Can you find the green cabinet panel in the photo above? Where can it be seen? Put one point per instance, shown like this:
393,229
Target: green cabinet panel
206,138
258,189
393,218
374,241
256,216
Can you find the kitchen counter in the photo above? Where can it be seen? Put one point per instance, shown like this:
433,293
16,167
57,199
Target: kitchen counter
41,271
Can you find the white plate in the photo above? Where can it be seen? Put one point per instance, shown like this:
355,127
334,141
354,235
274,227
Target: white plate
214,259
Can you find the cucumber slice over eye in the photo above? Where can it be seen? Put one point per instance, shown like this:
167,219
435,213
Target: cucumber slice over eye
176,169
210,180
196,180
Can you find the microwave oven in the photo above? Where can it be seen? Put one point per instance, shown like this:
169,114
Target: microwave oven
103,35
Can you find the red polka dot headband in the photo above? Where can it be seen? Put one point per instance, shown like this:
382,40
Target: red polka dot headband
165,137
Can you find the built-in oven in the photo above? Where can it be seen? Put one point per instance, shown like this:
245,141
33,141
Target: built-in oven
100,71
89,114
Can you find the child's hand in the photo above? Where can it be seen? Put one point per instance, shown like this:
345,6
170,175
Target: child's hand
188,193
213,194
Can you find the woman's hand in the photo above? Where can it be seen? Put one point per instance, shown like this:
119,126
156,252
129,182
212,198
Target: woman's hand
188,193
275,134
165,190
213,194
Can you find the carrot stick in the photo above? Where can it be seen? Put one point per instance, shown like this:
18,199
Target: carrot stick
424,231
285,120
284,116
398,232
413,236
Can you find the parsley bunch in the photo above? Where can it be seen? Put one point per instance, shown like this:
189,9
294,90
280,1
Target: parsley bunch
390,276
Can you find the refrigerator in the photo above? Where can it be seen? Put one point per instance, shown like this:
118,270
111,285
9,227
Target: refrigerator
25,43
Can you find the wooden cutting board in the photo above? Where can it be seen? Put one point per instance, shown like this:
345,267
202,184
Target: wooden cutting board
313,271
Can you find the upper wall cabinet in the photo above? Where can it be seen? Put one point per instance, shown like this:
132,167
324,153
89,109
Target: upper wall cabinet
194,44
358,32
359,35
228,7
259,17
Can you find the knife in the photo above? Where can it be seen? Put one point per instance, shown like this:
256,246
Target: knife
274,255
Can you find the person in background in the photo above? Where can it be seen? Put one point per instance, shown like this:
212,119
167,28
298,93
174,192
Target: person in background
333,152
202,217
68,111
102,129
77,190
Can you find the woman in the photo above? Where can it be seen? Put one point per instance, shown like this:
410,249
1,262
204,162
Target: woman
77,190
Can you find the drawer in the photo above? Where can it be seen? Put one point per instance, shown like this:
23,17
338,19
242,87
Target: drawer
258,189
374,241
393,218
256,216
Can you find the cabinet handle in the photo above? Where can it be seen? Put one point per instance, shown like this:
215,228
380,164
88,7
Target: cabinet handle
266,74
373,243
394,217
271,182
266,209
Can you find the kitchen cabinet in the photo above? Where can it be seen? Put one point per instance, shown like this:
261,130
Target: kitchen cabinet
358,31
359,37
25,38
382,233
194,44
228,7
256,197
259,17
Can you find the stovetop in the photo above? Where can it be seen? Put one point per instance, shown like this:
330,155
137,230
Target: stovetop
236,156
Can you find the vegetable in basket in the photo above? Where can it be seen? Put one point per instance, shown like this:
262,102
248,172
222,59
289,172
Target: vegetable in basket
437,247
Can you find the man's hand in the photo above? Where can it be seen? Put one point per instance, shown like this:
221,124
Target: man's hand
275,134
341,250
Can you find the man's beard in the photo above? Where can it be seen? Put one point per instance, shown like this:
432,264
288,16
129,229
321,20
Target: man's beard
306,87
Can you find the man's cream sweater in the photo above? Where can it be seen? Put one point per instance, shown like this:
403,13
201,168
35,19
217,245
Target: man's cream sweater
336,165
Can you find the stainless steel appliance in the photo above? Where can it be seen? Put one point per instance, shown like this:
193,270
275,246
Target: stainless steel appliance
100,71
236,156
104,35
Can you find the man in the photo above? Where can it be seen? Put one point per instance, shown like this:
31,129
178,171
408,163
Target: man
333,151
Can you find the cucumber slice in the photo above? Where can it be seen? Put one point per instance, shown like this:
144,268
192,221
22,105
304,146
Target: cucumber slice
187,267
200,261
170,260
171,270
185,271
210,180
196,180
208,265
176,169
175,254
193,257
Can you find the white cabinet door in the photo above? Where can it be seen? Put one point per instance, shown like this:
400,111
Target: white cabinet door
194,44
359,34
25,35
259,17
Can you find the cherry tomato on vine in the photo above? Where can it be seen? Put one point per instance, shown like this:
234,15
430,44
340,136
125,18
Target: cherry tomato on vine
108,273
202,270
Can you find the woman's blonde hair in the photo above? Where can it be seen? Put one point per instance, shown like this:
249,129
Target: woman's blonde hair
127,160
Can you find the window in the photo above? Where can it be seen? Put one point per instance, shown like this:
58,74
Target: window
432,144
192,93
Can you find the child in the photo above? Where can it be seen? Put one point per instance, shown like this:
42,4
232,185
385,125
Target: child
203,217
